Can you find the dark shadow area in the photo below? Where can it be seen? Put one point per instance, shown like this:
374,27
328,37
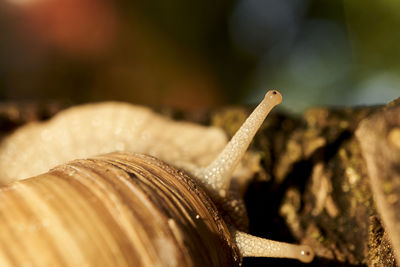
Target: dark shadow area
263,200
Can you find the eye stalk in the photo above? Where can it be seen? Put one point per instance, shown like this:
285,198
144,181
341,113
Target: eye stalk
252,246
217,176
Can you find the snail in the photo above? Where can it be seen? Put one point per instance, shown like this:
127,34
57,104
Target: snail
131,209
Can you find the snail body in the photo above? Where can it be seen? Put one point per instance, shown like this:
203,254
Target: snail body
100,128
125,209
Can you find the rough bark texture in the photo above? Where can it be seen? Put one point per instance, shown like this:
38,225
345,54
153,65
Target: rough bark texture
315,182
314,186
379,138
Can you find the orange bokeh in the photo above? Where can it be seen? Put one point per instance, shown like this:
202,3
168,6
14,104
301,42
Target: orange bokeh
72,26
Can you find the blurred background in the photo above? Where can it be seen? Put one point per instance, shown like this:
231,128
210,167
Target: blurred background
191,54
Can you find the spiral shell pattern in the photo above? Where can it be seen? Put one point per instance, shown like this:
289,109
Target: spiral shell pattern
118,209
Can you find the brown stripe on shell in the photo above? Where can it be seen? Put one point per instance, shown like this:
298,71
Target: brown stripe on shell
175,183
114,210
99,196
188,193
10,211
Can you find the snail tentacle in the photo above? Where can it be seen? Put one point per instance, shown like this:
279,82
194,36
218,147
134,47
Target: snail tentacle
217,176
252,246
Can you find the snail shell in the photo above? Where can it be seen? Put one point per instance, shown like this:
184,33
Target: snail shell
119,209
